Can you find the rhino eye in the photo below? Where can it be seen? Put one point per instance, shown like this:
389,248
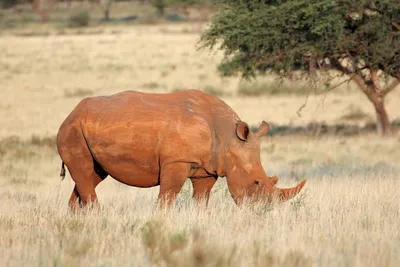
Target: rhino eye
256,182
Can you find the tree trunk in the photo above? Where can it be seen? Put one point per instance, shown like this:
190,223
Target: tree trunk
107,14
383,125
42,12
373,91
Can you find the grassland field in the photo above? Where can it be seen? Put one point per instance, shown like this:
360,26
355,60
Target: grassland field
348,214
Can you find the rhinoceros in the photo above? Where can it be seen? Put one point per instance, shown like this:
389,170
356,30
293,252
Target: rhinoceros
150,139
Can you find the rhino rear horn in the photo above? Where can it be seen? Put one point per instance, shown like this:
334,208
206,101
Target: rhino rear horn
274,179
263,129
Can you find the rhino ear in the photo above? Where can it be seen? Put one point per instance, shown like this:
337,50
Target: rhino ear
263,129
242,130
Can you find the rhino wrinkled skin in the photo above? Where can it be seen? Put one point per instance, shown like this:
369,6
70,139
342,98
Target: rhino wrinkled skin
145,140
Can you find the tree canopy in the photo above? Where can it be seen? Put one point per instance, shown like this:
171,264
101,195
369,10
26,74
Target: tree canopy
359,38
295,35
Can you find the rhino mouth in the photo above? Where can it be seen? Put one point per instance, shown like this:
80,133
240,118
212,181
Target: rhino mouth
277,195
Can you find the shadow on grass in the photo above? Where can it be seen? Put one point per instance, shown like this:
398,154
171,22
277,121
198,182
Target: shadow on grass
323,129
338,170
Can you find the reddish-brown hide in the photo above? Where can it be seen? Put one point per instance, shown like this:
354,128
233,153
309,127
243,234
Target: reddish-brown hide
146,140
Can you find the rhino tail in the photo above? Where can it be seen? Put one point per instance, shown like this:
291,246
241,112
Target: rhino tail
62,171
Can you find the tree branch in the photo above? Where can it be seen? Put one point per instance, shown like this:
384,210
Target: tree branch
337,65
356,77
375,81
391,86
337,85
103,6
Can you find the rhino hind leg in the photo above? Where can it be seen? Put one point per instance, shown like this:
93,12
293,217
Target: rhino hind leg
87,175
84,170
84,194
74,200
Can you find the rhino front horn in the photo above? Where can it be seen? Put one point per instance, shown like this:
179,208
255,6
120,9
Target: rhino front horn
284,194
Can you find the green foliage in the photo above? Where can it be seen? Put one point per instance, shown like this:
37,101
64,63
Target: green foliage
80,19
285,36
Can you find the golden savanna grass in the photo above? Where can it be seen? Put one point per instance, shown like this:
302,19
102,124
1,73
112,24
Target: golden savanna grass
348,214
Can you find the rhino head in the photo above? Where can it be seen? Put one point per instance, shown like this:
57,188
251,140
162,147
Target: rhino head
245,175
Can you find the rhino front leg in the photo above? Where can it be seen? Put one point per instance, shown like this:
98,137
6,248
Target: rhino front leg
172,178
202,188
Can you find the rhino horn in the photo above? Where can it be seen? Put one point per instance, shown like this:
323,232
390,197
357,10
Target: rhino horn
284,194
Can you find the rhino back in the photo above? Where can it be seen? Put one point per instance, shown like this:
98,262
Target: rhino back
133,132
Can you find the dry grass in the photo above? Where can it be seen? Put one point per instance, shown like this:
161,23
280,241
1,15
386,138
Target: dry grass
349,214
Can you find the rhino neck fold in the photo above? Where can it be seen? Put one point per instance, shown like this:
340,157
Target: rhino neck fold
222,126
218,151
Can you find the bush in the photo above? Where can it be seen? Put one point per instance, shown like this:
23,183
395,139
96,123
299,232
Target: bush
79,92
80,19
268,88
7,3
355,114
160,5
214,91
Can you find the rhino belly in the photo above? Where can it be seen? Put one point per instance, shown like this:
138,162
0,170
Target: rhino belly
135,167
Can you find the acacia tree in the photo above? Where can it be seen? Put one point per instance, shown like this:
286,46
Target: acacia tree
357,38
